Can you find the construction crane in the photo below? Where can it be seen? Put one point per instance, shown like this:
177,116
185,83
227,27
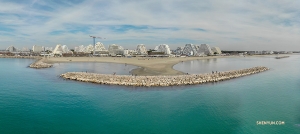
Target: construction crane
95,42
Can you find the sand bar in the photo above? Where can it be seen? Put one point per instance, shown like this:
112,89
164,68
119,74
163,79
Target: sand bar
148,66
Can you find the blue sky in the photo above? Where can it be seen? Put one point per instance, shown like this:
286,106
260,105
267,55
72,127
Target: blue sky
231,25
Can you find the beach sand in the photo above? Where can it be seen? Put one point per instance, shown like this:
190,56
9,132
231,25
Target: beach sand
147,66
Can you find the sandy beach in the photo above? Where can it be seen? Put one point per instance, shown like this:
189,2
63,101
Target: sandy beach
147,66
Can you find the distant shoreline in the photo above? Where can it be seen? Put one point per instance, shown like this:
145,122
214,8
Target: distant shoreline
147,66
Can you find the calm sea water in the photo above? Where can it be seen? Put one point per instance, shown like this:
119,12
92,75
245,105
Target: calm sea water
38,101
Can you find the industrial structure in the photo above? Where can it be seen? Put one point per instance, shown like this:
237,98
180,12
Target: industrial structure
95,42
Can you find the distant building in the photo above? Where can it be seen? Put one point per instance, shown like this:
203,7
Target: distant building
89,49
267,52
164,48
216,50
205,49
115,50
48,49
37,49
141,49
58,50
190,50
11,49
99,47
179,51
79,49
65,49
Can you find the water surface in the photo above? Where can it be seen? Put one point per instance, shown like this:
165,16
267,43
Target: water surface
38,101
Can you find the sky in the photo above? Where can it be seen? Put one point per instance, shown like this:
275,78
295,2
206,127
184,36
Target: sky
228,24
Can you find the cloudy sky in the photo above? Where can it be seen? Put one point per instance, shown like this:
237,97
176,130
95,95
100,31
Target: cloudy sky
229,24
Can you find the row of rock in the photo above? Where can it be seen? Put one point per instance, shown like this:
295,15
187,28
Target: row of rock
40,64
171,80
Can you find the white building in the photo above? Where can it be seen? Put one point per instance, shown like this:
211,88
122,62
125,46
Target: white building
205,49
65,49
141,49
37,49
190,50
115,50
89,49
179,50
48,49
58,50
11,49
163,48
216,50
99,47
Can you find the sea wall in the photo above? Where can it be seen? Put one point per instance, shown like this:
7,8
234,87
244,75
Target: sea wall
171,80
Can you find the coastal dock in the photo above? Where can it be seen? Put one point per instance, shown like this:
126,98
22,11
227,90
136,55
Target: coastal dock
169,80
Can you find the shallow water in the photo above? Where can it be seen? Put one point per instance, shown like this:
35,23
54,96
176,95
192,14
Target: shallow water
38,101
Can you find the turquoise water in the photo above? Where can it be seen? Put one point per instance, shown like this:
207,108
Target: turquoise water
38,101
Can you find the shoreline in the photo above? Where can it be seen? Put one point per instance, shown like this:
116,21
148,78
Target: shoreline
146,66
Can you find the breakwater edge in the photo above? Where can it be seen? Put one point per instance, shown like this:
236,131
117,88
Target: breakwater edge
169,80
40,64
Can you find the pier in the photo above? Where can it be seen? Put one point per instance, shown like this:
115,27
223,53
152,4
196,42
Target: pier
169,80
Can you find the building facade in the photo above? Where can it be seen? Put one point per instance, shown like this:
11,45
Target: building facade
190,50
141,49
205,49
163,48
216,50
37,49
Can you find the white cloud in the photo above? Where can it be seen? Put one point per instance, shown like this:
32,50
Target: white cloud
241,25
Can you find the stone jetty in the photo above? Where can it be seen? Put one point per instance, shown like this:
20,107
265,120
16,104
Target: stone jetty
40,64
170,80
281,57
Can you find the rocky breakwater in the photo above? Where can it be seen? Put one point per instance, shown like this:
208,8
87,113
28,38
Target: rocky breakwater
40,64
171,80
